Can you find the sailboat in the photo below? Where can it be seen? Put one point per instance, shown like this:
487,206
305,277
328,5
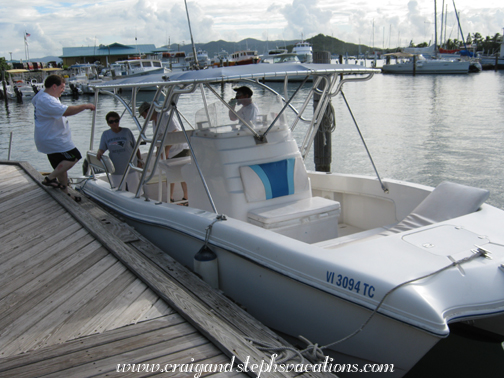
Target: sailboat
414,60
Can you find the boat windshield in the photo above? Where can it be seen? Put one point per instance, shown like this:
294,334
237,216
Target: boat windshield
215,117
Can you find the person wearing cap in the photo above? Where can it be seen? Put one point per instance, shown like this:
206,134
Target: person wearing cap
249,110
169,151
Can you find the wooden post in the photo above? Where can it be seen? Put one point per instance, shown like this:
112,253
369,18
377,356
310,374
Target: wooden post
4,89
322,142
414,65
496,62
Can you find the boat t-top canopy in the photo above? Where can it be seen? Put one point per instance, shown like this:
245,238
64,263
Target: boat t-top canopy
234,73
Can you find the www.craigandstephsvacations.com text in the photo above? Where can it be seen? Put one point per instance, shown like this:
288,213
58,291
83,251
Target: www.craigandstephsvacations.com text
195,369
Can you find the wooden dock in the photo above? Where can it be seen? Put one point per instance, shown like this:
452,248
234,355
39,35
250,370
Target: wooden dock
81,293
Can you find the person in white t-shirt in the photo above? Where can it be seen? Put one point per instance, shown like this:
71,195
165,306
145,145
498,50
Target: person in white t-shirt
249,110
52,131
170,151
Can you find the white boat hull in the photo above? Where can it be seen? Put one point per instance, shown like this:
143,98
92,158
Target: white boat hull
287,300
428,67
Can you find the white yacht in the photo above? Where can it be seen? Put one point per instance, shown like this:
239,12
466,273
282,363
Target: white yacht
304,51
370,269
137,67
201,56
407,63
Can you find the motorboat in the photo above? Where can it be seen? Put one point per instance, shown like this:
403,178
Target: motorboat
407,63
244,57
137,67
282,57
304,51
174,60
19,86
202,58
83,76
221,58
495,61
370,269
134,68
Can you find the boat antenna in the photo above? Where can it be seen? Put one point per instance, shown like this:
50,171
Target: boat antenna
196,63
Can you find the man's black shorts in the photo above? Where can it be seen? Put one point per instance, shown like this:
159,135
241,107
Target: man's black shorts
72,155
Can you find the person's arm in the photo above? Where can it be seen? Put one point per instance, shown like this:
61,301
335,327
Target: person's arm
99,154
76,109
232,104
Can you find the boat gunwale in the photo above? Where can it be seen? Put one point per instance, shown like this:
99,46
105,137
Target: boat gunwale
394,313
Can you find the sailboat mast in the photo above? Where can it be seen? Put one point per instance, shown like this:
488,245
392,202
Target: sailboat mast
435,29
459,26
196,63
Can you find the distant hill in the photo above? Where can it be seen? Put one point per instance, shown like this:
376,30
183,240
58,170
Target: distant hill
320,43
46,59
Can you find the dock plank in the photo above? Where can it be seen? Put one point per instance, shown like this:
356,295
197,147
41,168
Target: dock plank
179,349
37,223
93,359
58,356
19,295
135,310
114,309
36,250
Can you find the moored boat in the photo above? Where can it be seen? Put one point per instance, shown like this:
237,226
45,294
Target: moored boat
410,63
137,67
174,60
304,51
308,253
202,58
243,57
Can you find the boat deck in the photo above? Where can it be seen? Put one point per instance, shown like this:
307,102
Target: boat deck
82,293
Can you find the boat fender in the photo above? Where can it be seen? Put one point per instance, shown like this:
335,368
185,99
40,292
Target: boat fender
85,167
206,266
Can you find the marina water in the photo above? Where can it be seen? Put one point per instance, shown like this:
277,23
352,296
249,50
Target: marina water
423,129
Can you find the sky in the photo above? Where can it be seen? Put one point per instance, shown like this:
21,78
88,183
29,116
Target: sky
52,25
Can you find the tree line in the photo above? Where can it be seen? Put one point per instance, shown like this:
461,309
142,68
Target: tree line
488,45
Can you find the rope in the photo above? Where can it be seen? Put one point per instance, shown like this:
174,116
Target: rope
328,120
208,230
314,353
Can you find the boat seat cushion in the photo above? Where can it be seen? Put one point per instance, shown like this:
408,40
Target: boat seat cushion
447,201
265,181
104,165
272,216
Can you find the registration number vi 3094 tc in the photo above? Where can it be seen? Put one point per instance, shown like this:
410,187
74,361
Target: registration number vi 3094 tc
351,284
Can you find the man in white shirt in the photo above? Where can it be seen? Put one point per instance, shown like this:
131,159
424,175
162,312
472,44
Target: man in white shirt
249,111
52,131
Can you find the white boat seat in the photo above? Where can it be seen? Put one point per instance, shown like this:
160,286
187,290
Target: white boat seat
103,165
172,168
310,220
447,201
283,188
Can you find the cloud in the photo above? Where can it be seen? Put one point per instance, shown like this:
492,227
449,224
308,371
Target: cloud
73,23
305,18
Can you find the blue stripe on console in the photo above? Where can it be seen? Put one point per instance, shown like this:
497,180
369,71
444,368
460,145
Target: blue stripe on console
264,178
290,174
